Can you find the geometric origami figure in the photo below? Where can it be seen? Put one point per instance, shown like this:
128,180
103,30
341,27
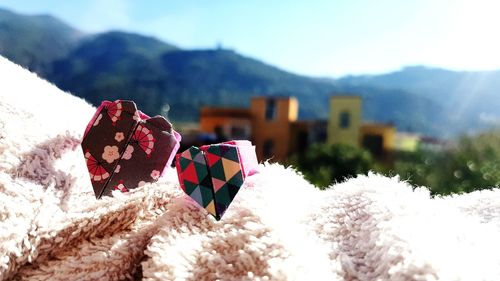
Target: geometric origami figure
124,148
213,174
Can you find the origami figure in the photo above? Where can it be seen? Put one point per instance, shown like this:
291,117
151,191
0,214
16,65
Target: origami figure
124,148
213,174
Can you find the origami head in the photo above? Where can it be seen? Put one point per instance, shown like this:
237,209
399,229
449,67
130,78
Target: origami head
125,148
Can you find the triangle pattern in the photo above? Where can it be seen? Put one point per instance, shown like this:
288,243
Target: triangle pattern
184,162
211,208
207,182
199,158
189,187
212,158
214,149
196,195
212,177
193,151
201,171
232,190
187,155
232,154
217,170
230,168
222,195
221,209
236,180
207,195
217,184
189,174
223,149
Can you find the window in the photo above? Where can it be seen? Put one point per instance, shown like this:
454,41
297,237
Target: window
270,109
345,120
238,132
374,144
268,148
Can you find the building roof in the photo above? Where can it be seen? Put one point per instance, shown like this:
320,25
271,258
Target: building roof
234,112
377,125
345,96
276,97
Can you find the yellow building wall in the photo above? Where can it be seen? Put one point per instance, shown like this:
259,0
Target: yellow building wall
408,143
388,134
351,134
278,130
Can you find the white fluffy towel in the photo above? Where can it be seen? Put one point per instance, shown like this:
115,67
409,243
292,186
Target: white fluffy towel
279,227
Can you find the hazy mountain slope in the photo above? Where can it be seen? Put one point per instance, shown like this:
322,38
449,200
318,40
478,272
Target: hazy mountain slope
223,77
470,99
153,73
123,65
35,41
115,65
407,111
188,79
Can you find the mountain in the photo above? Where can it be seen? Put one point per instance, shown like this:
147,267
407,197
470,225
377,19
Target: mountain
470,99
35,41
153,73
129,66
114,65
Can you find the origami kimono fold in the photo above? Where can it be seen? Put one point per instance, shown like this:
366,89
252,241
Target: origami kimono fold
213,174
124,148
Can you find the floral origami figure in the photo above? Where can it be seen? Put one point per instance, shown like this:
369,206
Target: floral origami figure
124,148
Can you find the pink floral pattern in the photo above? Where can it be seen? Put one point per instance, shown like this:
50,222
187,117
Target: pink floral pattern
126,148
96,122
128,152
137,117
110,153
119,137
155,174
121,187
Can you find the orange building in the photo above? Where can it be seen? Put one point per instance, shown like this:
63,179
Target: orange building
271,123
272,120
268,123
233,123
379,139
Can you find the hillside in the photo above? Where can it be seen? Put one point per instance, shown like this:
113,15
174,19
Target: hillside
153,73
115,65
35,41
469,99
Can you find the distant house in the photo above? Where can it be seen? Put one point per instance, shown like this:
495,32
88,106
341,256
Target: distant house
270,122
272,125
346,126
233,123
407,142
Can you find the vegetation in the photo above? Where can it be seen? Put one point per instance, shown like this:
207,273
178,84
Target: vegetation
472,164
324,164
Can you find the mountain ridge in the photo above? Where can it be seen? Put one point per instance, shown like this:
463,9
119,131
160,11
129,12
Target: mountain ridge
125,65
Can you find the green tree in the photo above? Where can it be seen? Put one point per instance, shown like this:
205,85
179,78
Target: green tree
324,164
472,164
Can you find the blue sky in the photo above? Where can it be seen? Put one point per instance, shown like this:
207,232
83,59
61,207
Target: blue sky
317,38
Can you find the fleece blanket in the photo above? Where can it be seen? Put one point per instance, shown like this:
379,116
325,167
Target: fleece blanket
279,227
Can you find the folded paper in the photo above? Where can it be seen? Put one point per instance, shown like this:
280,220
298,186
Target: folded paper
212,175
124,148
